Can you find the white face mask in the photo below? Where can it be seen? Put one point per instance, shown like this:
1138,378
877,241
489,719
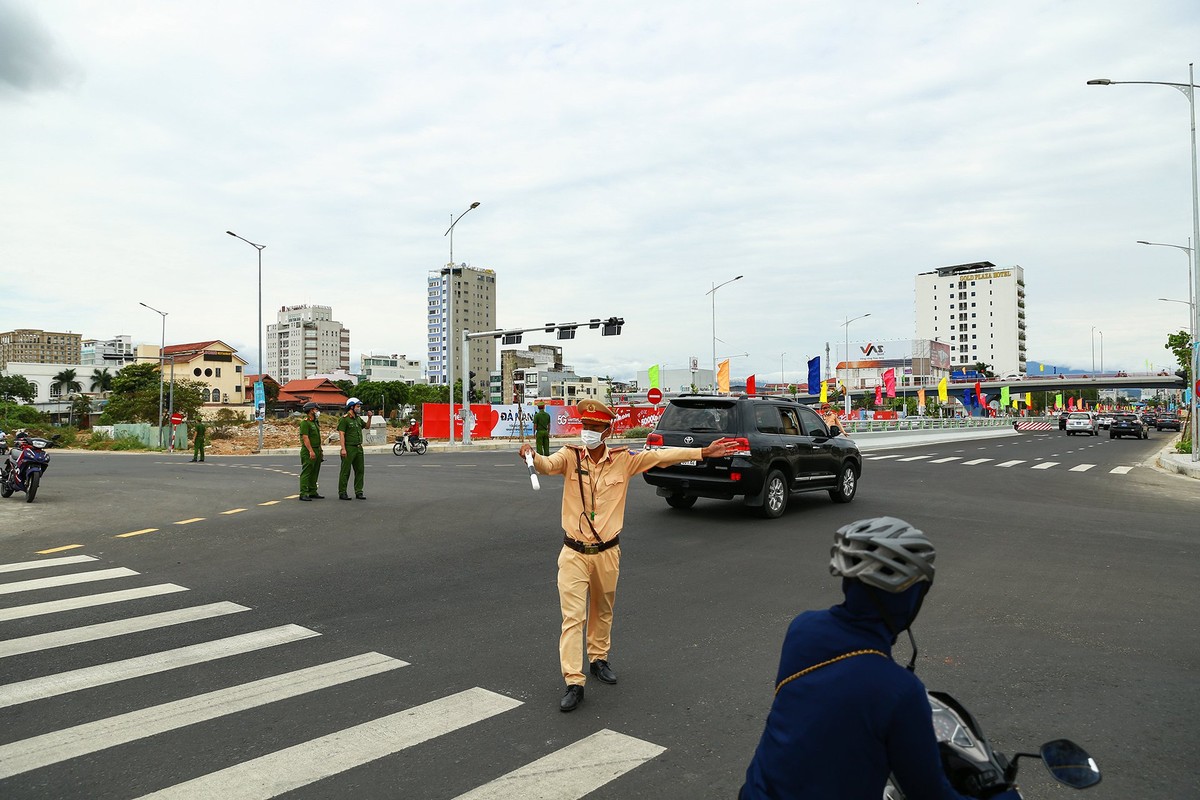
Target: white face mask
316,413
590,439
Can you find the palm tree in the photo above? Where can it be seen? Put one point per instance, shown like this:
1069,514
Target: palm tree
65,382
102,379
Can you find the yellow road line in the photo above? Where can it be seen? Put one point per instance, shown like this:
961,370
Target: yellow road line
136,533
189,521
269,503
234,511
58,549
291,497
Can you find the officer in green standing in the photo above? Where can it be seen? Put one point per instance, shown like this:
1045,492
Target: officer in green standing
310,452
350,431
541,429
198,444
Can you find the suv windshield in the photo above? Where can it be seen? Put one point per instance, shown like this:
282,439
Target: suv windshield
696,417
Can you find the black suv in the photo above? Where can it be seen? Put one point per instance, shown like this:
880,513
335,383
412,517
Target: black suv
786,448
1169,421
1127,425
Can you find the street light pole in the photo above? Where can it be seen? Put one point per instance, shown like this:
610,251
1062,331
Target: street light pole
782,381
846,381
448,327
161,348
259,248
713,292
1101,350
1189,91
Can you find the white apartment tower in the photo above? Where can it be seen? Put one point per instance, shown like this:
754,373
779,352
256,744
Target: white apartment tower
306,340
979,310
468,295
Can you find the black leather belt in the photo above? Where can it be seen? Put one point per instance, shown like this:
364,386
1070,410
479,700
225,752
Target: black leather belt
591,549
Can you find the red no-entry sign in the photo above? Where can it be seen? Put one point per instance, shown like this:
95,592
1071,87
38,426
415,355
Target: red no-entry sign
176,419
654,395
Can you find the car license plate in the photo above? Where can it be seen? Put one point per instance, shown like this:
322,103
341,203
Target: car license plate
688,463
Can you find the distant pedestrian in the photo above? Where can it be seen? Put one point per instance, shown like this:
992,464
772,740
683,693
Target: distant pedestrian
310,452
198,444
350,431
541,429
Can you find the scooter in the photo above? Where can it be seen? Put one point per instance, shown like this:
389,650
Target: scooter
418,445
976,770
25,465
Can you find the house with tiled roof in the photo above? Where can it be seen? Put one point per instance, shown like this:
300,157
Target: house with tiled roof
322,391
216,365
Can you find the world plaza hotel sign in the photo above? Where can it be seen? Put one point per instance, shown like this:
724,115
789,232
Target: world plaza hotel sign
983,276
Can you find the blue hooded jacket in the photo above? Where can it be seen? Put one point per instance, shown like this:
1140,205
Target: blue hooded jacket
837,732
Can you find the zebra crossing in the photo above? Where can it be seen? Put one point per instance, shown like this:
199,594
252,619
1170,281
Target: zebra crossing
573,771
992,462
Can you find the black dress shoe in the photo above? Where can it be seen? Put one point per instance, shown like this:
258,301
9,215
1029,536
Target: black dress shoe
343,497
360,497
305,498
571,700
316,497
602,672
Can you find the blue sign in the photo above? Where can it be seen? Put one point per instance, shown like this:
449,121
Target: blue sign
260,401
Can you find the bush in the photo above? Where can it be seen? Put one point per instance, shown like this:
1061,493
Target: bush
636,433
99,441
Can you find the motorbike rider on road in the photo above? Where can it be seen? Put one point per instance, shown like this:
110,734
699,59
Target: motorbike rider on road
845,715
413,432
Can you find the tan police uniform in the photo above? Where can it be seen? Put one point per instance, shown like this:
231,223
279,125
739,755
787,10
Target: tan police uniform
588,564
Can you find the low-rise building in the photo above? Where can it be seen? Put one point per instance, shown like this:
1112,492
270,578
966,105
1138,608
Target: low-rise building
115,352
213,363
395,367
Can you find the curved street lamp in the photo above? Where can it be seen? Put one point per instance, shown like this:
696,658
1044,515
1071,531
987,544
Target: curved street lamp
713,292
448,326
846,382
259,248
162,347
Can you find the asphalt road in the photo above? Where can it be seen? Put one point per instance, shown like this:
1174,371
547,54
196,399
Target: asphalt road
425,622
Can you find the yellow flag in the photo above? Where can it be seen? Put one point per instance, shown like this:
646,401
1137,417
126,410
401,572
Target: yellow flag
943,393
1016,400
723,377
652,375
824,391
1029,399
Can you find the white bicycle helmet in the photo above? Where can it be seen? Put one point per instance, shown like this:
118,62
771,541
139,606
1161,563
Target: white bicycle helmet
883,552
353,401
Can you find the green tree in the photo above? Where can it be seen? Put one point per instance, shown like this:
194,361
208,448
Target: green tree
982,368
17,387
134,378
1180,345
102,381
66,383
348,388
81,409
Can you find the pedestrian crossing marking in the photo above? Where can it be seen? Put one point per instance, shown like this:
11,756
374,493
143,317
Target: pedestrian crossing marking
572,772
65,682
1120,470
136,533
233,511
58,549
302,764
1045,465
1012,463
881,458
946,459
914,458
105,630
975,461
1082,468
20,566
65,580
190,521
72,603
50,748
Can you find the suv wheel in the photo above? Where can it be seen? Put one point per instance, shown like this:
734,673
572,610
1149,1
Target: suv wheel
775,497
681,500
847,485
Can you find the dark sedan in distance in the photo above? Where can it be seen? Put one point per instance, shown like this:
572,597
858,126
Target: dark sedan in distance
1127,425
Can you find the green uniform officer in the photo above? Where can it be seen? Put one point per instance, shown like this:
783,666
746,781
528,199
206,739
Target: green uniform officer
350,431
541,428
310,452
198,444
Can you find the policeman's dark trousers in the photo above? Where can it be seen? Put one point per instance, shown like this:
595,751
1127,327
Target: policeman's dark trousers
198,451
309,469
543,443
353,458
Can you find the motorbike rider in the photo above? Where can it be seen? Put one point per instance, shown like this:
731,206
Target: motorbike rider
413,432
3,442
845,715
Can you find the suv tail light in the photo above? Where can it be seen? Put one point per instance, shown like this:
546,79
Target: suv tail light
654,440
743,446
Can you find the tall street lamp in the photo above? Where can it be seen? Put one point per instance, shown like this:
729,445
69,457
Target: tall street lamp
713,292
782,382
448,328
1193,318
846,381
260,413
161,348
1093,351
1189,91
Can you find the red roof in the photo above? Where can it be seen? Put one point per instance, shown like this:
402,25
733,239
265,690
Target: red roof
192,347
321,391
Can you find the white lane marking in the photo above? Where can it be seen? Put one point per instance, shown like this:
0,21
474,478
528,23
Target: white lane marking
1082,468
1045,465
44,562
65,580
944,460
90,737
72,603
880,458
975,461
302,764
64,682
572,772
1119,470
914,458
1011,463
120,627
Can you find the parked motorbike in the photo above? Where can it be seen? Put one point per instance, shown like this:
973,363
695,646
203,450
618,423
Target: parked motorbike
25,465
418,445
976,770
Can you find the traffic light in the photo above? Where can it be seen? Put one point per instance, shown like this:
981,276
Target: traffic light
612,326
511,338
567,331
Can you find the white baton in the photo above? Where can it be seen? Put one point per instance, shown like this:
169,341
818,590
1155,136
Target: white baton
532,473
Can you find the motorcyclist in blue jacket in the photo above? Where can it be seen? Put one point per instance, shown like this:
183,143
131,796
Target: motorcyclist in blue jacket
845,715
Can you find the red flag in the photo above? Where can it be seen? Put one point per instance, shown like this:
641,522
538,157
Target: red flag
750,386
889,382
979,394
1070,403
878,395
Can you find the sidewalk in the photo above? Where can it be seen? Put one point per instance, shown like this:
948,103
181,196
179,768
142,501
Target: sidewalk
1179,463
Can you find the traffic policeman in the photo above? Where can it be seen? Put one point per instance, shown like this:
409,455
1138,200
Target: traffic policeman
350,431
310,452
541,429
199,442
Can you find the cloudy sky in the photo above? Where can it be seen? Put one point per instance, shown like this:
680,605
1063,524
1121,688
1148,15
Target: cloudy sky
627,157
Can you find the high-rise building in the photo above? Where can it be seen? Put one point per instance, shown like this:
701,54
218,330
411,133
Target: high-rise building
306,340
35,346
468,296
979,310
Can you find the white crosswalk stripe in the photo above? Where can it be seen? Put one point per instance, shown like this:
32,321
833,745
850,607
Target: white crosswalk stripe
1082,467
913,458
1120,470
1040,465
86,601
65,580
946,460
975,461
1012,463
1045,465
44,562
